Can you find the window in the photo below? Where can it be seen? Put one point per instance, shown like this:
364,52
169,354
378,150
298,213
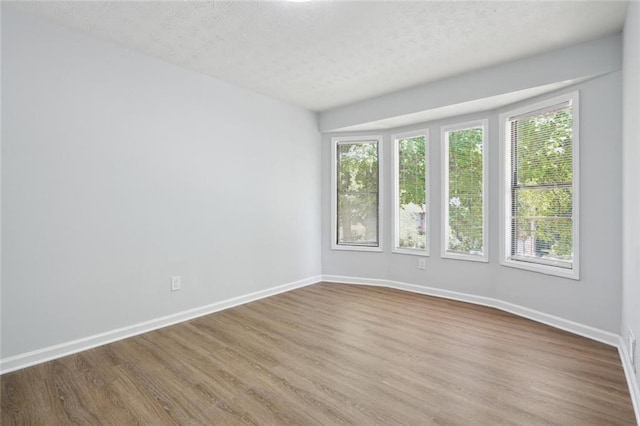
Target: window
540,216
410,199
356,193
464,191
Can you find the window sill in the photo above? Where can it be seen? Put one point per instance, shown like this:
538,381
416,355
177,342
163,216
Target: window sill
542,269
412,252
468,257
356,248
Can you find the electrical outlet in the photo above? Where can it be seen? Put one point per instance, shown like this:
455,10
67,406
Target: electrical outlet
176,283
632,348
422,263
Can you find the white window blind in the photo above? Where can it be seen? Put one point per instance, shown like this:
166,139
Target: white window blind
357,193
541,202
411,193
465,192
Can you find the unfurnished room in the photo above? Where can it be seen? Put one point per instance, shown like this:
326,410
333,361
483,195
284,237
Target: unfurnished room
320,212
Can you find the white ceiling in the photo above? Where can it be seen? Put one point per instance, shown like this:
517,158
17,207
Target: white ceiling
323,54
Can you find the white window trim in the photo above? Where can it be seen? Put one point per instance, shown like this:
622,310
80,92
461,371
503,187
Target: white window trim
444,165
334,189
505,193
395,193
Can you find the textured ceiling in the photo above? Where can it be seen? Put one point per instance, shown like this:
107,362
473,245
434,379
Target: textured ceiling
323,54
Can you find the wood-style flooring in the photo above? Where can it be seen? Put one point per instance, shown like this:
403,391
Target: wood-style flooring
332,354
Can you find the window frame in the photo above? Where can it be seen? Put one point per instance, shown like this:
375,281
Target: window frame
505,193
335,141
395,193
444,130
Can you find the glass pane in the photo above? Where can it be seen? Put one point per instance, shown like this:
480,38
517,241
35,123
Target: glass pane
543,224
542,187
358,219
358,167
412,207
465,196
357,195
544,148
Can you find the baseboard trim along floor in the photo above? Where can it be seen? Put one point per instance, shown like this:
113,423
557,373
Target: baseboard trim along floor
557,322
28,359
53,352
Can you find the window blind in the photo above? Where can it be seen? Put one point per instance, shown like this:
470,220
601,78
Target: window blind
542,186
411,190
465,197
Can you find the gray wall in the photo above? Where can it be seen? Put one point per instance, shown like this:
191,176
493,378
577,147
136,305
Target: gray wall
572,63
631,175
594,300
120,170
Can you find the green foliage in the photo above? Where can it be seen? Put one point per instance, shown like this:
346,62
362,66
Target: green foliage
358,193
411,162
543,198
544,149
465,191
412,192
358,167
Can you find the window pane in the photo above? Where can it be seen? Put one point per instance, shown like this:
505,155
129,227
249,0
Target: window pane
542,187
357,185
465,197
544,148
358,167
412,206
358,219
543,225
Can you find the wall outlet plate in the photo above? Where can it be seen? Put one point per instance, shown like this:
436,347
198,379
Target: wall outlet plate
176,283
422,263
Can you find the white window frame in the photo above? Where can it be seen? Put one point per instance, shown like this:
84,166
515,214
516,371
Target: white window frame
395,195
505,193
335,141
445,254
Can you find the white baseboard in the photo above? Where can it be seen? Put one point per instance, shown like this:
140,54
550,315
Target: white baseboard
52,352
629,373
58,351
606,337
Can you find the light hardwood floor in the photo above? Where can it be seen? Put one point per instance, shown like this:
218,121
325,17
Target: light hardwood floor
332,354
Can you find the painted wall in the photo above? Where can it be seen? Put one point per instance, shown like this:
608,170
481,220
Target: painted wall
594,300
572,63
631,175
120,170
